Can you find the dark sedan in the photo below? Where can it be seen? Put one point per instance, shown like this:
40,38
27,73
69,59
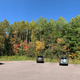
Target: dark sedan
40,59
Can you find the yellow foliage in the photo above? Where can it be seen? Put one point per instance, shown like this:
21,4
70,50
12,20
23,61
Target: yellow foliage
39,46
64,48
72,55
59,40
78,54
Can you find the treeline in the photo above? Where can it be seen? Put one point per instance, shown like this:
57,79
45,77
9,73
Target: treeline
53,37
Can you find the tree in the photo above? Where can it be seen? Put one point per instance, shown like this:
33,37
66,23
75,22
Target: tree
59,23
33,32
14,40
27,28
39,47
21,29
41,23
59,41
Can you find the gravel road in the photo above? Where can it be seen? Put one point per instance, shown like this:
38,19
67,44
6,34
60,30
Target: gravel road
30,70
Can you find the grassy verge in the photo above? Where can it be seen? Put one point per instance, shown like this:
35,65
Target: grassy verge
20,58
15,58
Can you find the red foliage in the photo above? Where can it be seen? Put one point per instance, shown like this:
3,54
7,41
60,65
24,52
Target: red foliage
25,46
24,41
17,46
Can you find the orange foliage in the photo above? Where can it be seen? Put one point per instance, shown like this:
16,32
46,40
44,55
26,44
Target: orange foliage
25,47
16,47
59,40
40,45
65,48
72,55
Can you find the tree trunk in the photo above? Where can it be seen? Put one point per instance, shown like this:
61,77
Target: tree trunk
59,51
26,36
40,33
29,36
68,51
52,44
21,37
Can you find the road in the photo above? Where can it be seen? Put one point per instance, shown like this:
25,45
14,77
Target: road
30,70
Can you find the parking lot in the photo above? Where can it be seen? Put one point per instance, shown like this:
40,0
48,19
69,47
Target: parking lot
30,70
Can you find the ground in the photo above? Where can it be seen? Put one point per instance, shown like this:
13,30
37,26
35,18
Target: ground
30,70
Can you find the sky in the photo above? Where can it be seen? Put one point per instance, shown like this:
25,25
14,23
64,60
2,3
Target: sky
18,10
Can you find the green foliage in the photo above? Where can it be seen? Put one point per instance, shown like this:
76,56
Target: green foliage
50,31
48,53
78,54
31,52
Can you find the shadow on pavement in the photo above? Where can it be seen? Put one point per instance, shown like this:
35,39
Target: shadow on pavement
63,65
40,62
1,63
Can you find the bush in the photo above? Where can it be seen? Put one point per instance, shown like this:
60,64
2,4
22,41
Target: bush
31,51
78,55
48,53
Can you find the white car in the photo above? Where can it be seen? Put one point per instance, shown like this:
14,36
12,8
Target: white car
63,60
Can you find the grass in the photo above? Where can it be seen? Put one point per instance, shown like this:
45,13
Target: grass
15,58
20,58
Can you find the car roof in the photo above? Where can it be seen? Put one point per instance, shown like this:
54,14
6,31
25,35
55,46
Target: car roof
39,56
63,57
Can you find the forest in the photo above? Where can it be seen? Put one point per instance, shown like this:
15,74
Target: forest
47,38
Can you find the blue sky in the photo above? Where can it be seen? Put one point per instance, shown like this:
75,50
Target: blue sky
18,10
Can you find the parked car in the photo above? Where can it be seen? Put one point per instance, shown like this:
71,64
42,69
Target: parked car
40,59
63,60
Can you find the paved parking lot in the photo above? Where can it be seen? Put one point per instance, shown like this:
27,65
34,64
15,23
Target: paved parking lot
30,70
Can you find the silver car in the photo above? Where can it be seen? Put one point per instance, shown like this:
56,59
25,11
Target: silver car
63,60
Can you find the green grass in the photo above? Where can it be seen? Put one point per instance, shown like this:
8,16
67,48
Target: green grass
15,58
20,58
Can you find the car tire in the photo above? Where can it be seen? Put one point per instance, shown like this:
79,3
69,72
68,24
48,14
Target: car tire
37,61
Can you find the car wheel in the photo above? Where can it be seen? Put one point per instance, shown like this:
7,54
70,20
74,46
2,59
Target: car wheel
37,61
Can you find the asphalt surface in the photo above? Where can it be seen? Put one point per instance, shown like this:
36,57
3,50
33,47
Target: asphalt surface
30,70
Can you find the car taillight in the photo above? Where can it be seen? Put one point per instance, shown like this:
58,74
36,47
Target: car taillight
60,59
67,59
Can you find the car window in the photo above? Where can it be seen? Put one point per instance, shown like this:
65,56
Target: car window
62,57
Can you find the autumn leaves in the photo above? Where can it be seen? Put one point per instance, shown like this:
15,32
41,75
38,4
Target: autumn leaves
39,46
25,38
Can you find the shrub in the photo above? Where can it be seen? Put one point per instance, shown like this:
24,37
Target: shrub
48,53
78,55
31,50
